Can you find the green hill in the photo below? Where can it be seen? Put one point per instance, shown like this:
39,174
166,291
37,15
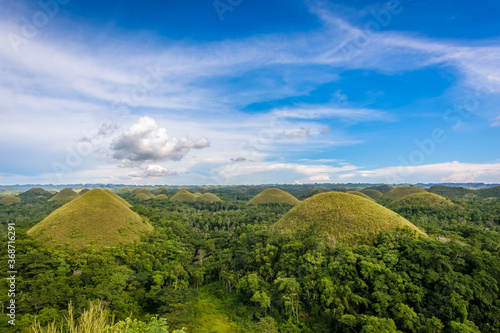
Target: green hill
489,192
142,197
399,192
83,191
116,196
273,195
9,200
381,188
125,190
65,195
147,193
374,194
450,191
359,194
161,197
161,190
207,197
421,201
35,194
345,218
97,217
183,196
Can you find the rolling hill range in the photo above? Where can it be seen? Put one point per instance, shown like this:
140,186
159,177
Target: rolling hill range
347,219
273,195
402,191
98,217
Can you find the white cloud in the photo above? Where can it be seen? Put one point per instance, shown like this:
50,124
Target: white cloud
154,171
146,141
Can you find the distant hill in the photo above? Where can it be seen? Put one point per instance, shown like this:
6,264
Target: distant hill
161,197
450,191
35,194
207,197
9,200
399,192
421,201
360,194
183,196
65,195
83,191
125,190
273,195
381,188
142,197
344,218
489,192
141,194
97,217
374,194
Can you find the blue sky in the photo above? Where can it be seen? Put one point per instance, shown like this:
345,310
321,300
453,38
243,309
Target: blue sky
249,92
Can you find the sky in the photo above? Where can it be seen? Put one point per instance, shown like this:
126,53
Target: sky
227,92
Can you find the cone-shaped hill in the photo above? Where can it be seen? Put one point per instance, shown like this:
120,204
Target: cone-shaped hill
183,196
83,191
65,195
345,218
207,197
98,217
124,190
400,192
273,195
374,194
35,194
421,201
359,194
161,197
10,200
142,193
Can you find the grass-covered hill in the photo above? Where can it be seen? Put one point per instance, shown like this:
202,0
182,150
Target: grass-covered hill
374,194
65,195
207,197
143,191
142,197
124,190
83,191
161,197
345,218
402,191
421,201
9,200
383,188
363,195
450,191
273,195
35,194
183,196
97,217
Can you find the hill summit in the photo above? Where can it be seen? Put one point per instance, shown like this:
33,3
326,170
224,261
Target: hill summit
345,218
98,217
273,195
402,191
65,195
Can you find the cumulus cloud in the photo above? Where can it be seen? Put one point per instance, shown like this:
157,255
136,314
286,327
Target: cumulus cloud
154,171
146,141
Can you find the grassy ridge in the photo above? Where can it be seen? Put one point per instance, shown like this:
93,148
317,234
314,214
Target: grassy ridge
97,217
402,191
273,195
347,218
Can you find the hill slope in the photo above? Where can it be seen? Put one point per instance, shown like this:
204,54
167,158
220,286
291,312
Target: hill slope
65,195
273,195
347,218
183,196
402,191
374,194
97,217
207,197
360,194
9,200
419,201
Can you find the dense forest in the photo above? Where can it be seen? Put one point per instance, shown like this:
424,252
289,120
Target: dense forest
218,267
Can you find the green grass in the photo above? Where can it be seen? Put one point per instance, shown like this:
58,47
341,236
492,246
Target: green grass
273,195
343,218
400,192
97,217
421,201
65,195
212,317
360,194
9,200
161,197
142,197
374,194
